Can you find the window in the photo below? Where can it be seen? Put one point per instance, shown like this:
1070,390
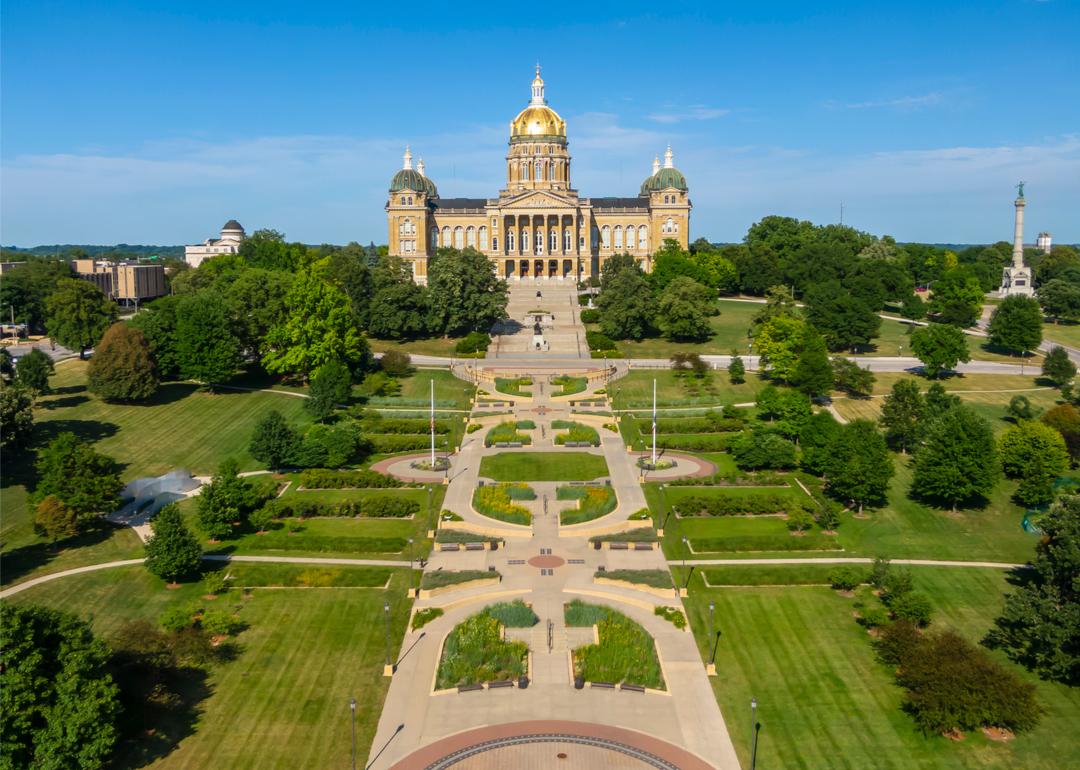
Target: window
494,243
510,240
670,226
494,223
446,236
539,171
483,239
525,170
539,241
618,237
402,203
525,239
410,200
470,237
643,238
629,236
459,238
567,239
581,243
605,237
554,239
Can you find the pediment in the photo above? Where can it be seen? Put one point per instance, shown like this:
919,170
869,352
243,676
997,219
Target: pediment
539,199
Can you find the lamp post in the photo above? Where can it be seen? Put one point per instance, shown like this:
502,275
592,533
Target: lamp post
352,709
753,733
386,615
712,634
686,547
663,507
410,564
431,514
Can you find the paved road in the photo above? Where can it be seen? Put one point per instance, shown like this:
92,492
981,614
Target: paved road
846,560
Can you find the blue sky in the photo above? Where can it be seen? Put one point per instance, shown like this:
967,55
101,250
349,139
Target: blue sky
156,122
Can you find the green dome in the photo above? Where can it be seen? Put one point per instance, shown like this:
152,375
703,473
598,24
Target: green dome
664,179
408,179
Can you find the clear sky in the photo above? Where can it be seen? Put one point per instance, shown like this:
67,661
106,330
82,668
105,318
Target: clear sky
155,122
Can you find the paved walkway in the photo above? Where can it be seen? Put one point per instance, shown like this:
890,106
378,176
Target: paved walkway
850,560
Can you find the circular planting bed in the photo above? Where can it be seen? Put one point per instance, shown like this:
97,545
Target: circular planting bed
405,467
440,464
681,466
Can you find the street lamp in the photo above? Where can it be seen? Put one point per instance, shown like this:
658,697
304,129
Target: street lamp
663,507
352,708
410,563
753,733
386,614
712,635
686,547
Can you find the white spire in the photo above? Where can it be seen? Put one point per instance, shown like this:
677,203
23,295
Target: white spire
538,88
420,167
668,160
655,164
407,165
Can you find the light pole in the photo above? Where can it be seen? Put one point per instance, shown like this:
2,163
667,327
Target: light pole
1023,355
386,615
753,733
352,708
686,547
712,635
663,507
410,564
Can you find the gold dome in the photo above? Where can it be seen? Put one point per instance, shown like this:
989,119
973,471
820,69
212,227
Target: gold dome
537,121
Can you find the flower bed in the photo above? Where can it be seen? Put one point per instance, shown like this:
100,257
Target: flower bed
625,654
475,652
497,502
512,386
640,535
376,507
461,536
506,432
570,385
576,433
593,502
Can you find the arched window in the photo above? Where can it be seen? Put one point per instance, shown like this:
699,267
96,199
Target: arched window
483,239
434,239
629,237
618,236
539,241
510,240
525,170
643,238
525,239
470,237
605,237
670,226
539,171
446,236
554,241
459,238
567,239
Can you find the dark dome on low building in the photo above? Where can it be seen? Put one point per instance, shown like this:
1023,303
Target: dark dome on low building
410,179
232,224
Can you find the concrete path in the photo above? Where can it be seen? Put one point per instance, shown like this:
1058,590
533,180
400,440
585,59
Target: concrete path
848,560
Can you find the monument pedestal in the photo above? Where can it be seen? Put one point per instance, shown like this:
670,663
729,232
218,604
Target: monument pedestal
1016,281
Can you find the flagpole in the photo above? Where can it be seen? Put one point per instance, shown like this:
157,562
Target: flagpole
654,422
433,423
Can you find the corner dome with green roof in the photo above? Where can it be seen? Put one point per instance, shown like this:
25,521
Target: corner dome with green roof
408,178
665,178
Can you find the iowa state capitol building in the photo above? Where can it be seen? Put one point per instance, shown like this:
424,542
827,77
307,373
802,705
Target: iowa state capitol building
538,226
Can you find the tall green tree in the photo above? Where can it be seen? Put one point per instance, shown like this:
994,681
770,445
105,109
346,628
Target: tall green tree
682,310
1060,299
55,519
616,264
859,466
959,461
902,414
778,302
16,417
851,378
940,347
815,440
813,373
778,343
320,327
400,309
470,296
331,384
1017,324
25,289
347,269
268,249
228,498
157,322
61,707
1034,453
257,302
1065,419
77,313
122,368
717,271
274,441
957,298
83,479
626,305
206,347
34,369
1039,626
172,552
844,320
1058,367
736,369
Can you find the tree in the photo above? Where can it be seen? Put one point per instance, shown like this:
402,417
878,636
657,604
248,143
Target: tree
1017,324
736,369
913,308
1058,367
759,449
792,410
77,314
778,302
7,367
225,500
1021,408
851,378
55,519
268,249
400,309
1060,299
959,460
319,328
172,552
25,289
778,343
717,272
157,322
1039,626
471,296
615,264
331,384
682,310
858,465
84,480
122,368
813,373
61,706
957,298
33,371
626,305
207,350
397,363
845,321
348,270
257,302
16,416
940,347
1065,419
274,441
902,414
815,440
1035,454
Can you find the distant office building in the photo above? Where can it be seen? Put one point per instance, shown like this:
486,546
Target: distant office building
1043,242
7,267
124,282
232,235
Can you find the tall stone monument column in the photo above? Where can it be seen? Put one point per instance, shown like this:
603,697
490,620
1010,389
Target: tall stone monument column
1016,278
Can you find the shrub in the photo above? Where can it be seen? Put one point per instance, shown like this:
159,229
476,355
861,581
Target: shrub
214,583
733,505
590,316
424,616
376,507
320,478
380,384
671,614
846,578
396,363
911,606
384,444
577,614
897,583
800,521
473,427
575,433
219,622
641,535
506,432
473,342
873,617
711,422
626,653
515,614
704,442
475,652
593,502
828,515
413,425
599,341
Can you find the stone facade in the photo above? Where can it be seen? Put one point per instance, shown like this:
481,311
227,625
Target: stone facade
232,235
538,226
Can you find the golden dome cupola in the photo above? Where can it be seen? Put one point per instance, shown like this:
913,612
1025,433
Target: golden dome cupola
538,122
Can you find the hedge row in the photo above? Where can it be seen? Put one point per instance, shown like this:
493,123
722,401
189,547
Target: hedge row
704,442
729,505
710,424
378,507
320,478
735,479
405,425
390,443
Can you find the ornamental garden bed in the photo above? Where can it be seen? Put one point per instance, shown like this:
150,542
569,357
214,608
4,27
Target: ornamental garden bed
576,433
443,581
497,502
508,433
512,386
593,502
476,652
624,655
569,385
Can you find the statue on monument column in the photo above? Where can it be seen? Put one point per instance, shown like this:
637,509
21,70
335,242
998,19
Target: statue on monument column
1020,190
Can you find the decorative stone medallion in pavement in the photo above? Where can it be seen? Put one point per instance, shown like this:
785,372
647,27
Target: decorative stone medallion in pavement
547,561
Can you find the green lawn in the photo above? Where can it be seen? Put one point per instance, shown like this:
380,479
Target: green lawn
450,392
434,346
543,466
634,391
825,701
1065,333
283,702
